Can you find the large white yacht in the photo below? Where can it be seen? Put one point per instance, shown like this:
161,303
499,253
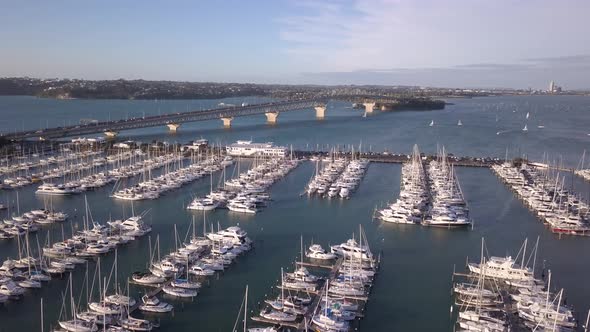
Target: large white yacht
55,189
351,248
502,268
316,251
203,204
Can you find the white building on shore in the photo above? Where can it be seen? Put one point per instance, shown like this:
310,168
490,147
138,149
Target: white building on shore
249,149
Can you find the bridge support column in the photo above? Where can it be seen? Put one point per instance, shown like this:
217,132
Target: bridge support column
369,107
271,117
173,126
227,121
111,133
320,112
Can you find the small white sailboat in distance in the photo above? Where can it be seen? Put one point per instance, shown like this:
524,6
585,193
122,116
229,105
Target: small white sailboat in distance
459,123
431,123
525,128
527,115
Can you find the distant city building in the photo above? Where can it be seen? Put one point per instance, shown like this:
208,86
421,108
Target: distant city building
247,148
554,88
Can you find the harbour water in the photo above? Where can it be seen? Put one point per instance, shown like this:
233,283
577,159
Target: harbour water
491,125
412,291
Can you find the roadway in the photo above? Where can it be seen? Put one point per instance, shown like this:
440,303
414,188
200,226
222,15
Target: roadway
161,120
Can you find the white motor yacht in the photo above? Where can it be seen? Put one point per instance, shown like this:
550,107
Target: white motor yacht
136,324
278,316
121,300
351,248
242,207
147,278
153,304
179,292
200,269
203,204
185,283
317,252
502,268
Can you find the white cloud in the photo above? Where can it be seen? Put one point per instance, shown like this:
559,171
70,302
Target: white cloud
369,34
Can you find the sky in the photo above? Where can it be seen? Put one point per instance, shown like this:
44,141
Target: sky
444,43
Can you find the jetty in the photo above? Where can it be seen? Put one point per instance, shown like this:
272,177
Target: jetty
304,321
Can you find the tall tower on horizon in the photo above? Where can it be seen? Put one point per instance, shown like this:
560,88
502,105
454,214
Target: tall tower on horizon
551,87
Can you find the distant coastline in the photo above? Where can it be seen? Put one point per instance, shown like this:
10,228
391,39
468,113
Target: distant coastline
153,90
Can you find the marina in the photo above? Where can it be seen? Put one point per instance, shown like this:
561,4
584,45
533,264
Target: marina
331,302
247,192
172,178
338,178
419,259
28,172
503,294
430,196
295,166
563,211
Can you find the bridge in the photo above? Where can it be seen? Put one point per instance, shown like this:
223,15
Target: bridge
174,120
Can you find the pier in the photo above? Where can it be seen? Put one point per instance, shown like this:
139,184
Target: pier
385,157
303,323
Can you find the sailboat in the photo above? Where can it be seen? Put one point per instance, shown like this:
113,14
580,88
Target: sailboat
525,128
76,324
431,123
245,321
527,115
325,320
459,123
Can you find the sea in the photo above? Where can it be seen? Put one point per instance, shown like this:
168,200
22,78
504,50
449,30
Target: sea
412,291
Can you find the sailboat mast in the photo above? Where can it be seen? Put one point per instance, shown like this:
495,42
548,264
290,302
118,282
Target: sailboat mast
246,309
524,252
42,323
282,286
301,249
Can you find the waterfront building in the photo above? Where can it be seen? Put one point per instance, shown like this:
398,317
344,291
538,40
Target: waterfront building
248,148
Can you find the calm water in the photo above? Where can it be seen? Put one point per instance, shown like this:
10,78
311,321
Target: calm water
412,292
566,121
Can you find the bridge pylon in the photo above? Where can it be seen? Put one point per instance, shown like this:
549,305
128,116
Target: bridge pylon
173,126
369,107
320,112
227,121
271,117
111,133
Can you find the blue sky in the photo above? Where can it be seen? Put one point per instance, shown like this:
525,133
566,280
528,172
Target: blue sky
474,43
